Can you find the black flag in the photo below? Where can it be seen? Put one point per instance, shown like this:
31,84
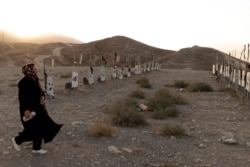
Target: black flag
91,70
45,76
104,60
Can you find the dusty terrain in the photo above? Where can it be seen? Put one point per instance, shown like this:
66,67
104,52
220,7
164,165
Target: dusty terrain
208,118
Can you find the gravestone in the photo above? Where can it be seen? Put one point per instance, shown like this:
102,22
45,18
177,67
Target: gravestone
103,74
50,87
114,73
74,80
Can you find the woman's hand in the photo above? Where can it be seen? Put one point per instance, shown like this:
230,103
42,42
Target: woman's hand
27,114
42,100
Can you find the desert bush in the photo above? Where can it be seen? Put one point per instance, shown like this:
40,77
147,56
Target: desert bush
68,75
138,94
171,111
163,113
199,87
159,114
168,130
179,100
144,82
163,99
124,113
180,84
101,129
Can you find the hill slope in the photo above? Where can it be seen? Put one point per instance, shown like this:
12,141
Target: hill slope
130,51
196,58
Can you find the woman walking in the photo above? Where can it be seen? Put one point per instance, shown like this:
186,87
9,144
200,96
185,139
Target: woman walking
38,126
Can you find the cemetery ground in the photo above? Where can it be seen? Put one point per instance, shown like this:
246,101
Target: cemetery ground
216,124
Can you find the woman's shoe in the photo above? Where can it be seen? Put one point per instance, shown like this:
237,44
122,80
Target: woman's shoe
41,151
15,145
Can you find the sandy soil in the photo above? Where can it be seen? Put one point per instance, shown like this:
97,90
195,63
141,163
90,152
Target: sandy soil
208,118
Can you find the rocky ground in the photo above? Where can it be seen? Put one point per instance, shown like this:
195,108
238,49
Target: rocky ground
212,120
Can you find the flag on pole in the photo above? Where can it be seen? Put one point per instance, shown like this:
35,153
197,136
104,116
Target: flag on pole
91,70
45,75
244,51
126,60
153,57
248,47
52,62
104,60
117,58
80,60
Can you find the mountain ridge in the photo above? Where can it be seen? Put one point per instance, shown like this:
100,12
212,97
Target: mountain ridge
131,52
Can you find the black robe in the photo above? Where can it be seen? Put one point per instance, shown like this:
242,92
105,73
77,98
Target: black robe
29,94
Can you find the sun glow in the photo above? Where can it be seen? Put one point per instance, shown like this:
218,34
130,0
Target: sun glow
27,18
165,24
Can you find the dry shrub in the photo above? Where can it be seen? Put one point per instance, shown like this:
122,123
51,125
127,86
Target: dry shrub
159,114
163,99
139,94
101,129
171,112
176,131
163,113
144,82
180,84
124,113
199,87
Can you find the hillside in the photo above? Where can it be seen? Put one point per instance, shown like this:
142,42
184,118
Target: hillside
196,58
130,51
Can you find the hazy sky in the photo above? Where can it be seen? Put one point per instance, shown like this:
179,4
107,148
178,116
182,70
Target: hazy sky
167,24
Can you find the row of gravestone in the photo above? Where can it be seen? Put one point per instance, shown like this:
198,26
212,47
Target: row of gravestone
117,73
238,77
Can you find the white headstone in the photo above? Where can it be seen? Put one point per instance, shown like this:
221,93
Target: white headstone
213,69
243,78
114,73
148,68
234,76
74,79
91,78
248,81
139,68
221,69
103,74
121,73
239,77
129,72
50,87
136,69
